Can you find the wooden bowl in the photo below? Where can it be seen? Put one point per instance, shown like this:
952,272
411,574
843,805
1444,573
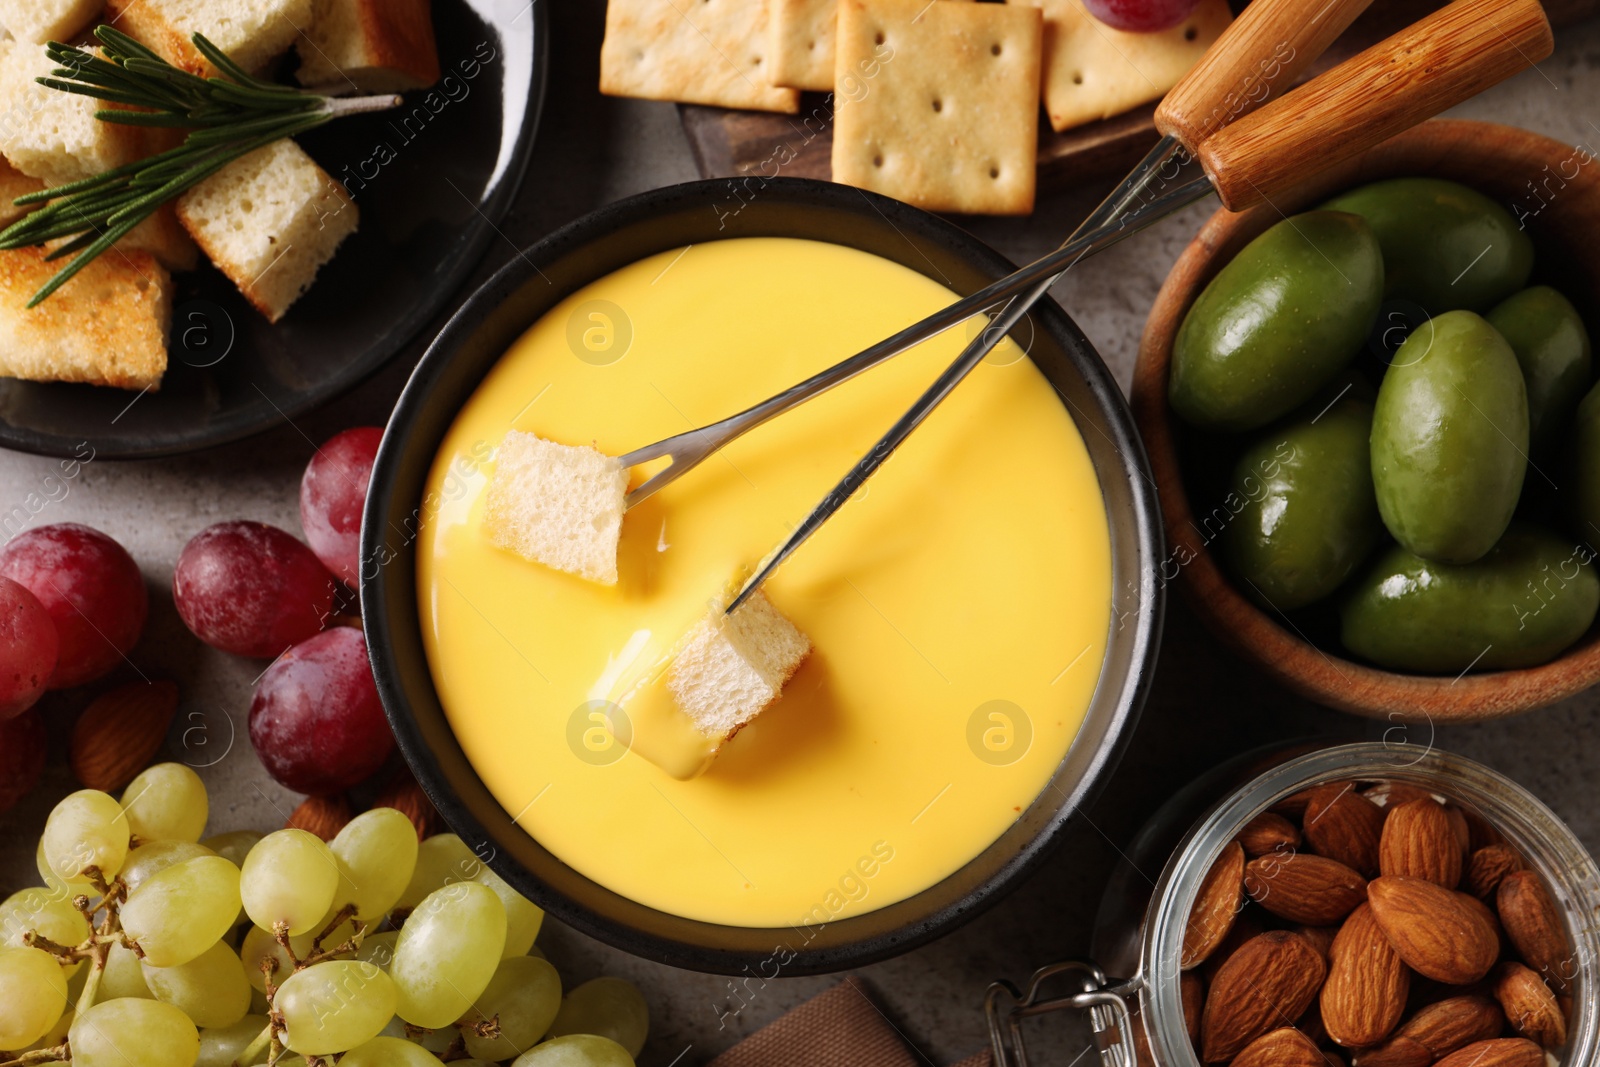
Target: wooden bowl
1554,189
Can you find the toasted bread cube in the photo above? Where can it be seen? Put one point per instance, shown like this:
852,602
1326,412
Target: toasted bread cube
14,183
38,21
107,326
51,135
270,221
252,33
560,505
164,237
732,667
370,46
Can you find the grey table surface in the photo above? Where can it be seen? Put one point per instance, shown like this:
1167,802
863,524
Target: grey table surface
1205,705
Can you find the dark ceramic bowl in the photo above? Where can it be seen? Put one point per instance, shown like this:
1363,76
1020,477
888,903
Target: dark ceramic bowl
486,326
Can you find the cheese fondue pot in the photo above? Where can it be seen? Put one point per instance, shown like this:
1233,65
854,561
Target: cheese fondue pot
401,505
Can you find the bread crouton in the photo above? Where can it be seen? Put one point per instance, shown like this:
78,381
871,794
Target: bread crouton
14,183
252,33
38,21
51,135
107,326
270,221
560,505
370,46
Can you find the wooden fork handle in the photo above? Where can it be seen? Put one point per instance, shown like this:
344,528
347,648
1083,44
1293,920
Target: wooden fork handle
1443,60
1260,55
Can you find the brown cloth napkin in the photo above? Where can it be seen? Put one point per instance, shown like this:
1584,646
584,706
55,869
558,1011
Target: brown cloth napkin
839,1028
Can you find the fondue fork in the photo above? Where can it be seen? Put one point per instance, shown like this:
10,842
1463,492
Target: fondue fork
1443,60
1263,51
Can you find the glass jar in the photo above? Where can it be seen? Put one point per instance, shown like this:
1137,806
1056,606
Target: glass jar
1139,930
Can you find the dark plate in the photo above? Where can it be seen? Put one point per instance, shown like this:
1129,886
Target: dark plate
474,340
429,205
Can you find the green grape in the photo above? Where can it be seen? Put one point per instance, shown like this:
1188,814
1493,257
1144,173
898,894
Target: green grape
166,802
447,952
46,912
87,829
180,912
290,876
576,1050
133,1033
54,1036
525,994
70,886
259,945
146,860
377,853
378,949
471,1063
235,845
333,1006
390,1052
210,989
221,1047
523,916
607,1007
33,993
441,860
123,976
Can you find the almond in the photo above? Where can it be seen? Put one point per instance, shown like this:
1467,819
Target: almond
1320,937
1499,1052
1268,832
323,816
1396,1052
120,732
1343,825
1488,867
1530,1006
1294,807
1391,795
1283,1047
1192,993
1446,1025
1246,927
404,795
1460,826
1365,993
1437,932
1304,888
1480,833
1417,842
1534,927
1266,985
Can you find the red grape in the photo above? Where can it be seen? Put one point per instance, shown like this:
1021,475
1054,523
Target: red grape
251,589
27,649
316,720
332,496
21,757
1141,16
91,589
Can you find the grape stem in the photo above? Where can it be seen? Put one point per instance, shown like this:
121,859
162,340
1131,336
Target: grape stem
58,1054
252,1050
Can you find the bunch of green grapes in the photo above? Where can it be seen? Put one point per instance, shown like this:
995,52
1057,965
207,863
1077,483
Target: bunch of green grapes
148,947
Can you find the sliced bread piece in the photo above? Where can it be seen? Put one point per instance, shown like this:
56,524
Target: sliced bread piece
371,46
38,21
731,667
560,505
269,221
107,326
51,135
14,183
251,32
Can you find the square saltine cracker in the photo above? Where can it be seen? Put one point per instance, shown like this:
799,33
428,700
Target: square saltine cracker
691,51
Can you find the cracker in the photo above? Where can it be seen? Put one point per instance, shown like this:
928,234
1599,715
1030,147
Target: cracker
692,51
943,103
1092,71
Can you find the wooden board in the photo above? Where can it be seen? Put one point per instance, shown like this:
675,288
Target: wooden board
753,144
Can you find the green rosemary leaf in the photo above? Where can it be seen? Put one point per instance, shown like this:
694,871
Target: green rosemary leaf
89,255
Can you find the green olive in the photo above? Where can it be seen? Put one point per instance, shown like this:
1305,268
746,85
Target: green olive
1445,246
1306,513
1450,439
1277,323
1530,597
1584,446
1552,346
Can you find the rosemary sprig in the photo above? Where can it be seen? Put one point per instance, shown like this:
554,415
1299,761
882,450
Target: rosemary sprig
228,117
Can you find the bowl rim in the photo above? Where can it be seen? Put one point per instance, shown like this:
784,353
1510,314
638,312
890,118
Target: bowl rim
463,350
1308,669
